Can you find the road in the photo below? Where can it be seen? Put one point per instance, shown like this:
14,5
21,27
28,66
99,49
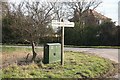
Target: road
111,54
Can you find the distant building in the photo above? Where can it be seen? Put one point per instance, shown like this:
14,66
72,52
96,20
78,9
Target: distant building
90,17
119,13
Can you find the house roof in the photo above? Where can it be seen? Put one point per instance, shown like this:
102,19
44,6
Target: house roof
94,13
99,15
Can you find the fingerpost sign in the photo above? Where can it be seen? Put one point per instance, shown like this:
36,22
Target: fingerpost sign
62,24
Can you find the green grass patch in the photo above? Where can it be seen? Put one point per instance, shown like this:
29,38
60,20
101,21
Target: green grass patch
107,47
77,65
13,49
9,50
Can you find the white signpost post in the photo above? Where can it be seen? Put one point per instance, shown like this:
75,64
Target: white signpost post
62,24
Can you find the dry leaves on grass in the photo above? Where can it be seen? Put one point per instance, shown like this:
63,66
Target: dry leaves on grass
17,57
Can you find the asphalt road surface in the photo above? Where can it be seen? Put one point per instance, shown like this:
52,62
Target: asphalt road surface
111,54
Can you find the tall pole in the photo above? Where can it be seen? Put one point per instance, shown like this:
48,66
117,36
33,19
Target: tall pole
62,46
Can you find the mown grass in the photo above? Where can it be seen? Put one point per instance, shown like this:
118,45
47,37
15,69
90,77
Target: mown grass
13,49
105,47
77,65
10,50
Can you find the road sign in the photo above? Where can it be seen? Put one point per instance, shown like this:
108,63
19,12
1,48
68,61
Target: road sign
62,24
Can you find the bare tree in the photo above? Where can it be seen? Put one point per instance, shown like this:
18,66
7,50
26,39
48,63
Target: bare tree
79,10
79,7
32,19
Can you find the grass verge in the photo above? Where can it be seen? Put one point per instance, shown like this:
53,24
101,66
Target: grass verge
77,65
10,50
105,47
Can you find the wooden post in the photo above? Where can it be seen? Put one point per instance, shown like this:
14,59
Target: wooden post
62,25
62,46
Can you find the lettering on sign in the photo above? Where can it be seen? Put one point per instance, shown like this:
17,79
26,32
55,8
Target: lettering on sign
63,24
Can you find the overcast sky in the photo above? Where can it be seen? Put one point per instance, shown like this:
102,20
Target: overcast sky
108,8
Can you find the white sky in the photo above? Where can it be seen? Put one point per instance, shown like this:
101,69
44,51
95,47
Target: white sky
108,8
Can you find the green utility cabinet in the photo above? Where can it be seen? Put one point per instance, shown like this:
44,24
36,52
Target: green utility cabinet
52,52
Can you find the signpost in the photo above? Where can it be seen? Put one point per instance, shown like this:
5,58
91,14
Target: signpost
62,24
